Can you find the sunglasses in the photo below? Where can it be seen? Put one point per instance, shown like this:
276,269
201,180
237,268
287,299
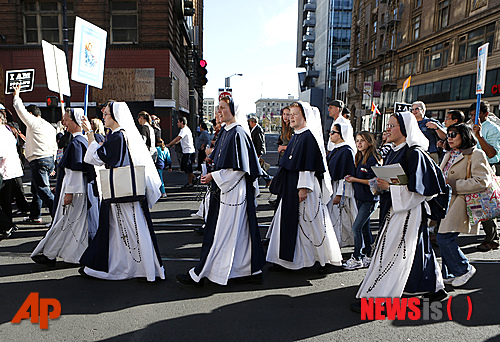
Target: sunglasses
333,132
451,134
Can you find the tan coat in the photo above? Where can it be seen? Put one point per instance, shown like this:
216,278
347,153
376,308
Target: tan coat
456,220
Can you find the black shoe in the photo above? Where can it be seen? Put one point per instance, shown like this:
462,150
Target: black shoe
199,230
324,269
8,233
187,280
356,307
81,270
265,241
436,296
276,268
273,202
42,259
251,279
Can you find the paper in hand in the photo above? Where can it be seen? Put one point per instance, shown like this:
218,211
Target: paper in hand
394,174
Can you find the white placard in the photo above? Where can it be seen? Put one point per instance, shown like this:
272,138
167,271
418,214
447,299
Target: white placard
56,69
89,50
482,58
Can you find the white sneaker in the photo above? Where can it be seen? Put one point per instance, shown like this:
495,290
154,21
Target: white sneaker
353,264
464,278
366,261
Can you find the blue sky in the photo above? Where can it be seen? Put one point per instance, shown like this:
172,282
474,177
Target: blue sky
256,38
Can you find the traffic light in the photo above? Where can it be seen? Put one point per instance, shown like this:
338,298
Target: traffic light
203,72
52,101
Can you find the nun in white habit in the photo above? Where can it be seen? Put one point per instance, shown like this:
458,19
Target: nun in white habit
125,244
403,260
342,206
76,213
301,230
232,246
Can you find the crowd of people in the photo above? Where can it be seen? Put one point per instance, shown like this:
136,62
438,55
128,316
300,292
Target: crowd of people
326,193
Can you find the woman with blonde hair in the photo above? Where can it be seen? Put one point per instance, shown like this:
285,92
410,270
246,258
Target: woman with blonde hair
98,129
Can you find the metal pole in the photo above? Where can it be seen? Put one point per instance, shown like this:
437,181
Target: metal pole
477,108
65,41
86,100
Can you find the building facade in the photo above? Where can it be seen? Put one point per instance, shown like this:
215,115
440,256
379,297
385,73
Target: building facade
150,53
433,41
208,109
269,108
342,78
323,37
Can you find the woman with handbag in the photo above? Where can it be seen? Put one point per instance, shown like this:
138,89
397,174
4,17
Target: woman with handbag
467,171
125,244
301,230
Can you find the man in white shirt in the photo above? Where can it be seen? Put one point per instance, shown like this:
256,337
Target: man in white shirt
41,149
185,137
335,109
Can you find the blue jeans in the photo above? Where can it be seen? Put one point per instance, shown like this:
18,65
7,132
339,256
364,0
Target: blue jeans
361,228
40,187
455,263
162,186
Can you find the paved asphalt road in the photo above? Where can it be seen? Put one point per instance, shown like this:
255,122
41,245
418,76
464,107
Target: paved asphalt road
289,306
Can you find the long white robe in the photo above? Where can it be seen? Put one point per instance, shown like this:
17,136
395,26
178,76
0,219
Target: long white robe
316,240
392,260
67,238
230,254
131,250
343,214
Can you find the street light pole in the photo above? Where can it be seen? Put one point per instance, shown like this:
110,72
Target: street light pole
227,84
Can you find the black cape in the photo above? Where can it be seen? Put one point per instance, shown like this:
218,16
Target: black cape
341,162
113,153
73,159
305,156
234,150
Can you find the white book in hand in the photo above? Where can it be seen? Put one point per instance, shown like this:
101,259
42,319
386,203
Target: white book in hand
394,174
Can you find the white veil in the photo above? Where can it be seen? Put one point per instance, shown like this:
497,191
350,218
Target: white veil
313,122
346,131
241,119
138,150
414,135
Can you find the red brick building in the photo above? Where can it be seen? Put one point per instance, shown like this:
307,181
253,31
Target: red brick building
150,56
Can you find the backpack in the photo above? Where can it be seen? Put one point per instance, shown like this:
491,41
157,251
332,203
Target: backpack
438,204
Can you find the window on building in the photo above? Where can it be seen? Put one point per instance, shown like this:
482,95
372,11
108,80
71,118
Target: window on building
408,65
443,13
375,24
436,56
124,22
415,24
43,21
468,43
393,39
386,72
373,49
417,3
